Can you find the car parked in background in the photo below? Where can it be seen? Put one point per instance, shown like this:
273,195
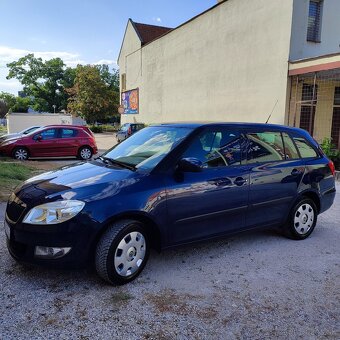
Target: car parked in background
128,129
168,185
52,141
18,134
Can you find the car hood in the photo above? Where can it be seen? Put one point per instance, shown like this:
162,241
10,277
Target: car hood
86,181
10,137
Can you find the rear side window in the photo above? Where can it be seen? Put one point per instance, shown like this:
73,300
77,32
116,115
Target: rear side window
265,147
68,133
290,148
305,149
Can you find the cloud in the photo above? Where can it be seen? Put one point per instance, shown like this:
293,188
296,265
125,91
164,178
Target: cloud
9,54
105,61
157,19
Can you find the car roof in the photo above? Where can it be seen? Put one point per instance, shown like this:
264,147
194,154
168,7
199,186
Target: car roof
195,125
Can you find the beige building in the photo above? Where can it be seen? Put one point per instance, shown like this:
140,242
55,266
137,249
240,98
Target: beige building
240,60
19,121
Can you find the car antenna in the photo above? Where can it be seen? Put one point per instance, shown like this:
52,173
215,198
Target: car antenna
272,111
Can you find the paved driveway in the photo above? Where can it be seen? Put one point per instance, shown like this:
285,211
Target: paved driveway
256,285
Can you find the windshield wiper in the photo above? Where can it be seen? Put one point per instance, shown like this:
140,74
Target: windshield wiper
119,163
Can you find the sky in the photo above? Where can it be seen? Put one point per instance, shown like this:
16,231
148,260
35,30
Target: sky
80,31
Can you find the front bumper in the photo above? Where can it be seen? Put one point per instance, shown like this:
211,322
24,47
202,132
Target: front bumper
22,240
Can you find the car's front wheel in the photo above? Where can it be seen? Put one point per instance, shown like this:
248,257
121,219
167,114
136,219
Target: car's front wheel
302,219
85,153
122,252
20,153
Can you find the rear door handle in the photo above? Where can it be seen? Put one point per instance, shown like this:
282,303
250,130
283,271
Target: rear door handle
240,181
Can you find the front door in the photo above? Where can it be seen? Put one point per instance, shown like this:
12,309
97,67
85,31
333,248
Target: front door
45,143
214,201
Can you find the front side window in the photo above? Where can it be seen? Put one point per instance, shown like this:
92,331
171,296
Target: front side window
215,148
146,148
314,21
47,134
265,147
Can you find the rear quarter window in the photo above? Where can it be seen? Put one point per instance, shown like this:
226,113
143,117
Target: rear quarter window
304,147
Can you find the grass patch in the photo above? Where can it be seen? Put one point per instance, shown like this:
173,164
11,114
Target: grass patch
11,175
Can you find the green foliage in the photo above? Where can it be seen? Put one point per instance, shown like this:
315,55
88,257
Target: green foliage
330,149
43,80
91,92
92,97
13,103
96,129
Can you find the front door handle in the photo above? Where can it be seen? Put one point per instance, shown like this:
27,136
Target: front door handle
223,181
240,181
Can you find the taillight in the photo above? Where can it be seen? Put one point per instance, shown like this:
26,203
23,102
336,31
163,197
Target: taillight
129,131
331,167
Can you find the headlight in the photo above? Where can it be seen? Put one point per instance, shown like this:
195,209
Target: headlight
54,212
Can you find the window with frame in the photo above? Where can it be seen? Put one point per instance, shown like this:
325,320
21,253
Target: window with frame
307,114
68,133
47,134
335,132
304,147
222,147
291,151
265,147
314,21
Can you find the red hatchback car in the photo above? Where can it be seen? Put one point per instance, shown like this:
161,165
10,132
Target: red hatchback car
52,141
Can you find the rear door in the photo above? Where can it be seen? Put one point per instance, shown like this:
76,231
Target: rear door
213,201
276,171
68,143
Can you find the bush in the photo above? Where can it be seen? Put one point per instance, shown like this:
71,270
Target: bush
96,129
331,151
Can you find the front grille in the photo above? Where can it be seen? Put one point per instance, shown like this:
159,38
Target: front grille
15,208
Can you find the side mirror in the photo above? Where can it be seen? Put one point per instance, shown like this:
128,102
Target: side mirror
189,165
39,138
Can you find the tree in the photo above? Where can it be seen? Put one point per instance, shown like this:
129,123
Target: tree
45,81
13,103
93,96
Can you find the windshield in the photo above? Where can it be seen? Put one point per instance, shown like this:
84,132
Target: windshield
29,130
124,127
146,148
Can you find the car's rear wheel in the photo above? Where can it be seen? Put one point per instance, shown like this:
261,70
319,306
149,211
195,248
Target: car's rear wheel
122,252
302,219
20,153
85,153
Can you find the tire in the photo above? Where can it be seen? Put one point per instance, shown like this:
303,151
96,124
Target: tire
85,153
302,220
122,252
20,153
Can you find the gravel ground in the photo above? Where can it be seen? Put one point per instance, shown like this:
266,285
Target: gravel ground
257,285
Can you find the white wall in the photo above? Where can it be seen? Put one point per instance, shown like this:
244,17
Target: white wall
20,121
330,30
229,64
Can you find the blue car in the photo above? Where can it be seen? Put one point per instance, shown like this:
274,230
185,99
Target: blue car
168,185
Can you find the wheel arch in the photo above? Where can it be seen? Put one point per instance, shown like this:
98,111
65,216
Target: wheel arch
314,197
20,147
152,229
